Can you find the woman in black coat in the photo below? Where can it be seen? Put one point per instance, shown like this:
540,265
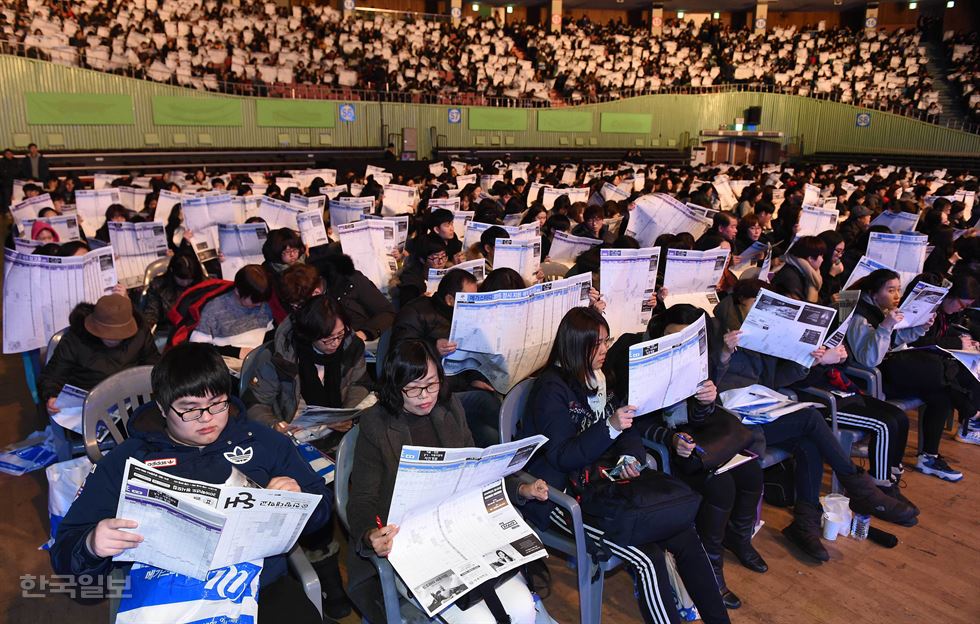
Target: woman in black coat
414,408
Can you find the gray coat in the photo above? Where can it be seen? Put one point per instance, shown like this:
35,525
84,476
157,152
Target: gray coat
273,393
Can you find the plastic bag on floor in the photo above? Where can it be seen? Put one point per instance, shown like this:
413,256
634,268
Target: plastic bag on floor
37,451
230,595
683,600
65,480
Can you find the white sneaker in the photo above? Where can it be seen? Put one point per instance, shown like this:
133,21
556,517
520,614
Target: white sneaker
936,466
970,437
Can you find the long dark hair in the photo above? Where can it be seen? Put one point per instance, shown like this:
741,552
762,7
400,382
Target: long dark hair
406,362
575,345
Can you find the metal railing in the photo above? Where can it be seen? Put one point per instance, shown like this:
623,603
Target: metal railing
257,88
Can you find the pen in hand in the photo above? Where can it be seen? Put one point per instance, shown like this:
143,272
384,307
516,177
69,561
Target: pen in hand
377,520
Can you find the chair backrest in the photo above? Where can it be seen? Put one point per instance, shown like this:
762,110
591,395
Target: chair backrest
384,343
249,367
53,344
341,483
155,269
120,394
512,409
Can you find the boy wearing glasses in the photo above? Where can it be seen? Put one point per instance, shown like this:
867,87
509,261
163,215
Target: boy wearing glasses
193,430
315,360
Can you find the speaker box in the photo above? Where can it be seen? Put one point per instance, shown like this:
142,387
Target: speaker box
753,115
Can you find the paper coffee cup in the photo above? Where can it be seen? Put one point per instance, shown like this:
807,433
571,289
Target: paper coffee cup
832,525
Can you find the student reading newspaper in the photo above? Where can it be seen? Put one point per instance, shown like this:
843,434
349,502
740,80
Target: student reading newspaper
195,430
802,432
669,363
415,409
506,335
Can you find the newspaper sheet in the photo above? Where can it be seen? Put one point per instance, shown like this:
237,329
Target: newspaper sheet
865,266
815,220
136,245
521,254
897,222
753,256
658,214
507,335
474,230
190,527
691,277
370,244
311,228
457,526
477,268
40,291
91,207
398,200
65,226
401,228
920,304
29,208
759,405
240,244
905,253
278,214
565,248
785,328
342,212
627,279
668,369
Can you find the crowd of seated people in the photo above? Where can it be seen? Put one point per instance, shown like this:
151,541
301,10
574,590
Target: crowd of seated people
963,70
319,313
255,47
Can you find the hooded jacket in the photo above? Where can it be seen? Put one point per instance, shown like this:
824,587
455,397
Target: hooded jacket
274,393
41,226
367,309
83,360
271,455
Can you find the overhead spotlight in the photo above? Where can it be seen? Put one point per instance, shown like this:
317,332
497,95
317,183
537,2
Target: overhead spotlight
913,6
510,8
476,7
716,15
680,15
950,4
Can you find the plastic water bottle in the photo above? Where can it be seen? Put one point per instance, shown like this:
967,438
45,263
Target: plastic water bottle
860,525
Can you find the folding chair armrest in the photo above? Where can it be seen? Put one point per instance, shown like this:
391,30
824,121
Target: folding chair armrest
662,452
389,591
820,395
307,576
871,377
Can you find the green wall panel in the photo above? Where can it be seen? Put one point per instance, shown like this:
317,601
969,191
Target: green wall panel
171,110
273,113
79,109
626,123
808,125
513,119
565,120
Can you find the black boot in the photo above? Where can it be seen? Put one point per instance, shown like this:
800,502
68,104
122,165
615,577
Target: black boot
804,531
894,489
711,528
335,603
866,498
741,524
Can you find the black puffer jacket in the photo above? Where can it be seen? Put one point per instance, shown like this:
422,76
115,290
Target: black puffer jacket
83,360
367,309
424,318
